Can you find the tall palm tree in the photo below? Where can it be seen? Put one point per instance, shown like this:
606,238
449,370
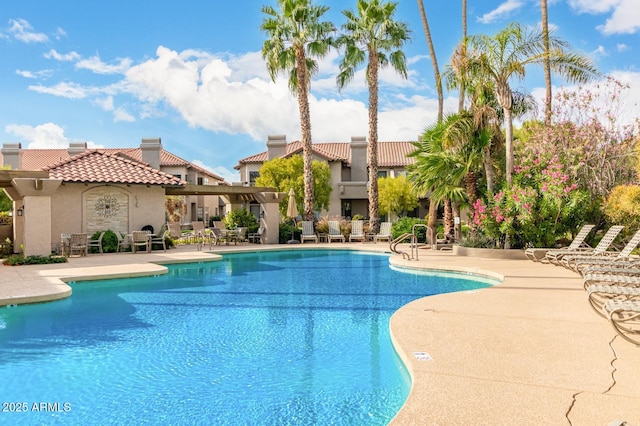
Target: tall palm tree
547,62
371,34
463,52
507,54
297,36
434,59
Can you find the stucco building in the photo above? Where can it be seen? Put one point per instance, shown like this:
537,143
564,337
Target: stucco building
348,164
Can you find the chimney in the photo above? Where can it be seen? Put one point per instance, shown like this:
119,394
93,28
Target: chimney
359,159
151,149
12,155
276,146
76,148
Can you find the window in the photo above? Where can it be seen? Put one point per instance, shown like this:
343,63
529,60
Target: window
252,178
382,174
346,208
200,181
179,176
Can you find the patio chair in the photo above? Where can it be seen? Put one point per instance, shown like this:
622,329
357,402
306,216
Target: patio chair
308,232
78,244
625,318
539,254
175,232
140,239
581,261
241,234
65,239
357,231
159,240
334,231
97,243
122,242
556,256
385,232
256,237
610,279
216,236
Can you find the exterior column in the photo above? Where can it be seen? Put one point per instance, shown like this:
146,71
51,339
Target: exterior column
269,205
33,228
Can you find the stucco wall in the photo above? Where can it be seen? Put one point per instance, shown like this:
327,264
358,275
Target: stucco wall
91,208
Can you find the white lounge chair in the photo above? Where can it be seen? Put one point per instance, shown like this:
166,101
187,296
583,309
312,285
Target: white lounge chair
600,294
581,261
625,318
556,256
307,232
256,237
539,254
357,231
385,232
334,231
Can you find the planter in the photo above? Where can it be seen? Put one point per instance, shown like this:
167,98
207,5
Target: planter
487,253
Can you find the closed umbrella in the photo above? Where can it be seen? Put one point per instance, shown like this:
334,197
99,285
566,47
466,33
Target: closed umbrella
292,212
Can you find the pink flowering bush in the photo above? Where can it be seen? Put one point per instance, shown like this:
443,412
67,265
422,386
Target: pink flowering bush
541,207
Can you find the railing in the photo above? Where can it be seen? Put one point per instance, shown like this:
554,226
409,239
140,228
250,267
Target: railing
413,242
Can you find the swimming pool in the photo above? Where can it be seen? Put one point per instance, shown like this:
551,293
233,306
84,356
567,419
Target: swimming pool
291,337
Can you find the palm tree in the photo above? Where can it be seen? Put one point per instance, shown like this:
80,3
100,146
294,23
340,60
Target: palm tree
547,63
297,36
464,51
507,54
373,35
434,60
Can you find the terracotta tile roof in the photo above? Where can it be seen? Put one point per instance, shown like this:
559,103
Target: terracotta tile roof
390,154
38,159
98,166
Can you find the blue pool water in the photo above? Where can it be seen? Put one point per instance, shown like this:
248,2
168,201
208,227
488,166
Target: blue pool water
274,338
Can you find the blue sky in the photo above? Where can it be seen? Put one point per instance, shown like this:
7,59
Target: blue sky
190,72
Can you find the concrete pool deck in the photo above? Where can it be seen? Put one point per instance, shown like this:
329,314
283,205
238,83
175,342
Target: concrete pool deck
528,351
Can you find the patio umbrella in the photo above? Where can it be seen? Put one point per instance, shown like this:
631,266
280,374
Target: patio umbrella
292,210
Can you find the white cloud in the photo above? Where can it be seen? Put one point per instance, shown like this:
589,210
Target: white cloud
48,135
599,52
65,90
35,74
22,30
621,47
121,115
97,66
502,11
223,172
67,57
105,103
624,18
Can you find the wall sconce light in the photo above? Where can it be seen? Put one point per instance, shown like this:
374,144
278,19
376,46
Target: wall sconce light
20,211
261,214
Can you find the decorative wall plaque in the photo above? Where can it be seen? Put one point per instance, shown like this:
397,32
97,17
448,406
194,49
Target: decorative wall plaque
107,206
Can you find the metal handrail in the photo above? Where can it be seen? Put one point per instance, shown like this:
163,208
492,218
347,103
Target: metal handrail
393,245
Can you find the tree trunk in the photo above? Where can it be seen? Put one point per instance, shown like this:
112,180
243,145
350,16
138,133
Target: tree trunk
432,221
372,145
448,218
547,62
457,224
508,122
305,128
488,169
464,53
434,60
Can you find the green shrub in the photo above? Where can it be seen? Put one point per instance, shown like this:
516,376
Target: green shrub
19,259
243,218
405,225
288,231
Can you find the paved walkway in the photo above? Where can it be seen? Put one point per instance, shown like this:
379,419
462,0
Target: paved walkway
529,351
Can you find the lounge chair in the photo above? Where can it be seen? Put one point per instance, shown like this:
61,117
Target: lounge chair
581,261
385,232
556,256
357,231
599,295
140,239
625,318
97,243
631,280
334,231
539,254
307,232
